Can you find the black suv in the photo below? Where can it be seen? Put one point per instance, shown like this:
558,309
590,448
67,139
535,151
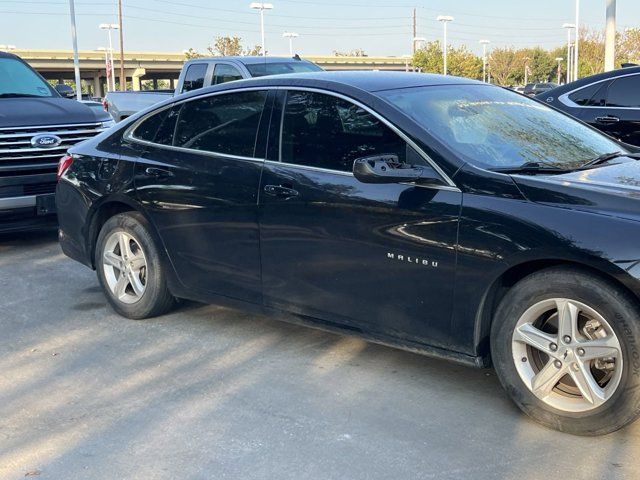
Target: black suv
37,126
608,101
436,214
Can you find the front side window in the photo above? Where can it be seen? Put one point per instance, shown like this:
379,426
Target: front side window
494,128
324,131
224,73
194,77
624,92
226,123
18,80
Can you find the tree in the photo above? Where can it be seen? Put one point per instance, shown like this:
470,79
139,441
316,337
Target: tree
460,61
191,53
505,65
231,46
357,52
429,58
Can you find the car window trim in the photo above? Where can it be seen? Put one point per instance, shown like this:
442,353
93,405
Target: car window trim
128,134
564,98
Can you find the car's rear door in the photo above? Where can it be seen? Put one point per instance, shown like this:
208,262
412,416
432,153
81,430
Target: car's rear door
377,257
199,182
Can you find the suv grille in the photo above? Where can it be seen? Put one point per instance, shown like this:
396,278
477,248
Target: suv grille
19,157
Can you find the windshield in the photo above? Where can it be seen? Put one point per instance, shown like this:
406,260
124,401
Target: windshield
262,69
494,128
17,79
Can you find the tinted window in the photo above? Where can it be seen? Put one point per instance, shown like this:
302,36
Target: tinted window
591,95
18,78
225,123
262,69
194,78
324,131
225,73
494,127
624,92
148,129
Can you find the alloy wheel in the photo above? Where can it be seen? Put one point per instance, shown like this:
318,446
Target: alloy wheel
125,267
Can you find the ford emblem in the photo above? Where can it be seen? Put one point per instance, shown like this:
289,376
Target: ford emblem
45,140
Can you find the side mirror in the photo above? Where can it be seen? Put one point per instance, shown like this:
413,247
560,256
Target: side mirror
65,90
387,169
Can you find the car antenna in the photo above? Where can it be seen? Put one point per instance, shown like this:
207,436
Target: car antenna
297,57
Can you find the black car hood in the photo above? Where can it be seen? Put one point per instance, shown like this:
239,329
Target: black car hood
610,190
31,111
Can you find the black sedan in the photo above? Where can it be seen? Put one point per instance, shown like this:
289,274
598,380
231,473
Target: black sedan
608,101
435,214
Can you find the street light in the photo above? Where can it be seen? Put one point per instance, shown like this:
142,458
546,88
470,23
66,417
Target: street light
109,27
262,6
290,36
74,42
526,70
610,37
559,60
484,44
569,27
575,49
445,19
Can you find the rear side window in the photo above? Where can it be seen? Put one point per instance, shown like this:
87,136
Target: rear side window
624,92
194,77
224,73
590,96
323,131
278,68
226,123
160,127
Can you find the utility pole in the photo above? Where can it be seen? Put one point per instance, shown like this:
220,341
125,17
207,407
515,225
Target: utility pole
123,79
74,39
415,32
610,37
576,73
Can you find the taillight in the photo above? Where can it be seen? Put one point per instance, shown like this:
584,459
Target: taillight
105,105
63,164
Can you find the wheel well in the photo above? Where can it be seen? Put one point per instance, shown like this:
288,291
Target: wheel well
513,275
104,213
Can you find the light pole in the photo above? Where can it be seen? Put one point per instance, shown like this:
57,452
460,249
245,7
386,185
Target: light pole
610,37
484,44
74,40
575,48
559,60
526,70
290,36
108,27
444,19
107,68
262,6
569,27
417,40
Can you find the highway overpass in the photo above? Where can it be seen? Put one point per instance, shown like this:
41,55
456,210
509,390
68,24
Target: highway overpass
146,69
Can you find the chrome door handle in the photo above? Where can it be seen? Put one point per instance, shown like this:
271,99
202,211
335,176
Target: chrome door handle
158,172
607,119
280,191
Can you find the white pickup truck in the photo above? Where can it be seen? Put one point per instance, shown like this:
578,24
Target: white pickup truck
203,72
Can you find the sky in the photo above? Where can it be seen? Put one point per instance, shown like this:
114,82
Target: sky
379,27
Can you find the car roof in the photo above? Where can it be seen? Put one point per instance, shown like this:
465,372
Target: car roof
569,87
8,55
248,59
368,81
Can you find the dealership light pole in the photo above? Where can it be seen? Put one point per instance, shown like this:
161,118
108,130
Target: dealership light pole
559,60
610,37
108,27
444,19
74,39
262,6
484,44
575,49
290,36
526,70
569,27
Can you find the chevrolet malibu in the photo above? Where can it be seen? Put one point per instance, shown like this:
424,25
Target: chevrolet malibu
435,214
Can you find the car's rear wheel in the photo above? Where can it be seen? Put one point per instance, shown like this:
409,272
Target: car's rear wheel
565,346
130,269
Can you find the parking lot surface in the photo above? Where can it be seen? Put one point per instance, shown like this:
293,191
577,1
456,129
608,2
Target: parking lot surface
212,393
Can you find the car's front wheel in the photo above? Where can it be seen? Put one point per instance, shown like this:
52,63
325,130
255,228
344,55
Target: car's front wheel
565,346
130,269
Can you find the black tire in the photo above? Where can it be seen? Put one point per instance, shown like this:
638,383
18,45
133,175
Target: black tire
622,314
156,299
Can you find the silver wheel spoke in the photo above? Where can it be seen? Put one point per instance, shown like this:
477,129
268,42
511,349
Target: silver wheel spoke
589,388
136,283
600,348
567,318
121,286
125,247
535,338
113,260
547,378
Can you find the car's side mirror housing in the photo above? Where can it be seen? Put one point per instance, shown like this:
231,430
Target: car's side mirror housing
65,90
389,169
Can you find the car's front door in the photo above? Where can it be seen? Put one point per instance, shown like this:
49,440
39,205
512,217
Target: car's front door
378,257
199,181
